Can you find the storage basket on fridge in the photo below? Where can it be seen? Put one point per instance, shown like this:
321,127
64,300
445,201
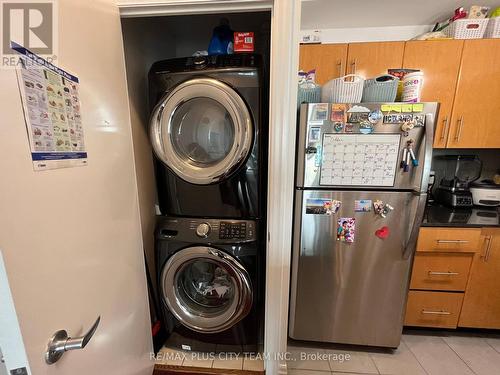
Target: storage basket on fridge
343,90
467,28
493,28
380,89
308,95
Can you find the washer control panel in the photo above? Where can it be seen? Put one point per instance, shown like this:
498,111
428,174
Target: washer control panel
229,230
223,231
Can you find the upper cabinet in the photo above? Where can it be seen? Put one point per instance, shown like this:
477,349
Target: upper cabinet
476,111
373,59
329,60
440,62
463,76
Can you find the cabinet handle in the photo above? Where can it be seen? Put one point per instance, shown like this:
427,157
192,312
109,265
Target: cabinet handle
353,66
436,273
451,241
488,249
460,123
428,312
445,128
339,66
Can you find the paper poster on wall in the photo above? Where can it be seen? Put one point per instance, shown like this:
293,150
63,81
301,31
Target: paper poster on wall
51,104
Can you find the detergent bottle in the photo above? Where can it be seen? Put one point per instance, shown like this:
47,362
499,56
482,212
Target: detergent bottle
222,39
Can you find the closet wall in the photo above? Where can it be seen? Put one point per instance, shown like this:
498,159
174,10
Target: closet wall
147,40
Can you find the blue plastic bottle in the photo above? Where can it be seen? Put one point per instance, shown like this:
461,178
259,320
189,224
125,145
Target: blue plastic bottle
222,39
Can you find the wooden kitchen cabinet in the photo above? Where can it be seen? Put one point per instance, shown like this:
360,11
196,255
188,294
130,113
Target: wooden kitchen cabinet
476,110
448,239
329,60
373,59
439,60
433,309
481,306
441,271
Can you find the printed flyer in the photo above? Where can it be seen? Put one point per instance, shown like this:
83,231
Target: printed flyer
51,107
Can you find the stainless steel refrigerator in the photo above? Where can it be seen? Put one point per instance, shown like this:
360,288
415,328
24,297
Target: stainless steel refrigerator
361,180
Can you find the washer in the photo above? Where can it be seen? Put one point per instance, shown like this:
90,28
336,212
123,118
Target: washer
210,280
207,133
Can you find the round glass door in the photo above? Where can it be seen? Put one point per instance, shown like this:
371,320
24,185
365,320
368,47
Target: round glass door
206,289
202,130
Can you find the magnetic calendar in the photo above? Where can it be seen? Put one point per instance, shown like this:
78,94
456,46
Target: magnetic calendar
357,159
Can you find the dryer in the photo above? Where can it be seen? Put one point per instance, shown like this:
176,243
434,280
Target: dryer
210,281
207,131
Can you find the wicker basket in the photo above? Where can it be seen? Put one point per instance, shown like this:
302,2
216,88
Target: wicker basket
467,28
308,95
343,90
493,28
380,89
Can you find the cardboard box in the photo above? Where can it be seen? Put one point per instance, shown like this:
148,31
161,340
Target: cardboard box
243,42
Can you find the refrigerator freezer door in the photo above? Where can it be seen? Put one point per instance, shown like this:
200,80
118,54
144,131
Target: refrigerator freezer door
340,154
352,293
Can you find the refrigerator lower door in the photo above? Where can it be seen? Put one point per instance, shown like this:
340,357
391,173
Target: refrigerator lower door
352,293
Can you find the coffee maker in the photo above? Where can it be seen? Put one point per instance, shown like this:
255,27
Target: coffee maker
459,172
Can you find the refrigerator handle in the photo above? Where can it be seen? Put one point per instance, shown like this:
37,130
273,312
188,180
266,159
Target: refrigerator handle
409,248
428,141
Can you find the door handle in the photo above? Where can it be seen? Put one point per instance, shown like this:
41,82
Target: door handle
430,312
445,129
410,245
486,255
61,343
339,66
353,66
451,241
437,273
460,123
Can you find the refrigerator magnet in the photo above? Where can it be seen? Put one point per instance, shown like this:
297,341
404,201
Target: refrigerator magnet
320,206
338,113
378,206
314,134
346,227
319,113
382,233
338,127
363,205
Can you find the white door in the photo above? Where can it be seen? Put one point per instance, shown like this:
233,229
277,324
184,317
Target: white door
71,238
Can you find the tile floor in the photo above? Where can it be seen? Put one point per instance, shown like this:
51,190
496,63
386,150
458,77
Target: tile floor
420,352
221,358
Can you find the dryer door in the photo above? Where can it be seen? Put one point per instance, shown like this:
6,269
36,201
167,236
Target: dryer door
202,130
206,289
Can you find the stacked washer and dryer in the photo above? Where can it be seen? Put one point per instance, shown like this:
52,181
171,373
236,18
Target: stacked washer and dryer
208,131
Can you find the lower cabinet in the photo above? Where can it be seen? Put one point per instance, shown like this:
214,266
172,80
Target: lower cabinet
481,306
455,279
433,309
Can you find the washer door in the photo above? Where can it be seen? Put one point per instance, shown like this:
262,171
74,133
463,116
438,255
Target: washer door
202,130
206,289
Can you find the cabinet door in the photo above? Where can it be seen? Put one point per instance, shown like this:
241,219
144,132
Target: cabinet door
373,59
481,307
476,110
440,62
329,60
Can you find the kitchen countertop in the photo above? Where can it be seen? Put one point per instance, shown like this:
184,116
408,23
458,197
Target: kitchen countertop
437,215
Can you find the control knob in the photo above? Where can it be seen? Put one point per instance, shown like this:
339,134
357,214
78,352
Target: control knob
203,230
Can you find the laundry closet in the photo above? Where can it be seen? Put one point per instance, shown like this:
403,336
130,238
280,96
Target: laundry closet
187,205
